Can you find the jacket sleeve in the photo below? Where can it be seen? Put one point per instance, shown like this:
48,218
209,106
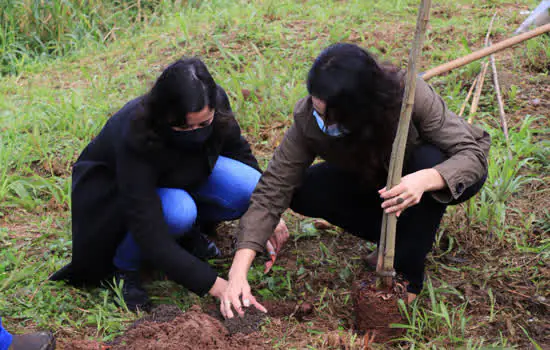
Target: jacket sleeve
235,145
436,124
137,181
274,191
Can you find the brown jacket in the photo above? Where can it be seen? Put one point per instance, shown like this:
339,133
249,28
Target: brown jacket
466,146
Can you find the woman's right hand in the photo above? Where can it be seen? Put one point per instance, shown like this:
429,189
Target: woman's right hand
238,287
231,298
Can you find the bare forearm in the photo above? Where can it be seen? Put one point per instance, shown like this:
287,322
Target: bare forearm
434,181
241,263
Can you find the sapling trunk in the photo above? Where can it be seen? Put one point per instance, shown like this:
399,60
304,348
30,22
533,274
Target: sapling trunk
389,221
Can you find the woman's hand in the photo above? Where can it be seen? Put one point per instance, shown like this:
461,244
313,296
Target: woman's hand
410,190
220,285
238,286
275,243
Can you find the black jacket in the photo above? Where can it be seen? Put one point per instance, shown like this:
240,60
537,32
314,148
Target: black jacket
114,192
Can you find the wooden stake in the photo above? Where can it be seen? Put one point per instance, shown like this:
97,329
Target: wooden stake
486,51
463,107
477,95
389,221
500,105
481,76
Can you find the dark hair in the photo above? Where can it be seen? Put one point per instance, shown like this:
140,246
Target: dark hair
365,98
184,86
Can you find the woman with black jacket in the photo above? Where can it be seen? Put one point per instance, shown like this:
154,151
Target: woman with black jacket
165,165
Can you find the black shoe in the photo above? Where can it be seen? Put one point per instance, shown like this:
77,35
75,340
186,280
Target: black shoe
210,229
33,341
134,295
203,248
198,244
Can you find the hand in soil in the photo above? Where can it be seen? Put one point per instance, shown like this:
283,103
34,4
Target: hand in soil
275,243
230,300
220,285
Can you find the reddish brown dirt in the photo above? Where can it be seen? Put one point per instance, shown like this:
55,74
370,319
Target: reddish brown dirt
79,344
190,330
375,310
167,328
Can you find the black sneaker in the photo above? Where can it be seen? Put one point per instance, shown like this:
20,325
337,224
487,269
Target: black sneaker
134,295
33,341
203,248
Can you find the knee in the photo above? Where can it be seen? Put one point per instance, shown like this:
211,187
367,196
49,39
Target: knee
424,157
179,208
240,200
244,180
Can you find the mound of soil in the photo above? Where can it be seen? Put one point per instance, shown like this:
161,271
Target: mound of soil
167,328
376,309
79,344
190,330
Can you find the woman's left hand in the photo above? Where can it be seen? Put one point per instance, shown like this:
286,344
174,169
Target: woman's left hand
410,190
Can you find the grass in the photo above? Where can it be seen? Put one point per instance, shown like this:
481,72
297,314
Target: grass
35,29
67,78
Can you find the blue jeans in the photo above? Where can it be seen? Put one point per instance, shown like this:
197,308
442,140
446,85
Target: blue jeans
224,196
5,338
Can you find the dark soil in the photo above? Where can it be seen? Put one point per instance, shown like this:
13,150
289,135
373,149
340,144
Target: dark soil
253,318
376,309
247,324
161,313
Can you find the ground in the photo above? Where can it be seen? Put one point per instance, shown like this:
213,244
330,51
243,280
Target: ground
488,273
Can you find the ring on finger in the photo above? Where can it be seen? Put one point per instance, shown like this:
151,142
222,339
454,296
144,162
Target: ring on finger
400,200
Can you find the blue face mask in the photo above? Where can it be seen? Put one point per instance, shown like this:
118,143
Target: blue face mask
331,130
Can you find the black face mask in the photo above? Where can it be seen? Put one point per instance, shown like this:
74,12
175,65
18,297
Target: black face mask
191,139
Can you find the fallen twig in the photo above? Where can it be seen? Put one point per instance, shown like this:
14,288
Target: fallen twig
527,297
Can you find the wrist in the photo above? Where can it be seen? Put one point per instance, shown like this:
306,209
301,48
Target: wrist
218,287
241,264
433,180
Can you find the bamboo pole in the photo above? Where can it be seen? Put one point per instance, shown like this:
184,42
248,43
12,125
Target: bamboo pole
385,268
476,55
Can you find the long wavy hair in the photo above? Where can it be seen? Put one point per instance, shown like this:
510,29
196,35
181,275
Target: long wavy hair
184,86
365,98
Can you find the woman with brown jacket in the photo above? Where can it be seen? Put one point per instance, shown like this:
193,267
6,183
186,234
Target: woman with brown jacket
349,120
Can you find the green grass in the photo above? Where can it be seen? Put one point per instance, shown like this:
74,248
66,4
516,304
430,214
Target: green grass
67,75
36,29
